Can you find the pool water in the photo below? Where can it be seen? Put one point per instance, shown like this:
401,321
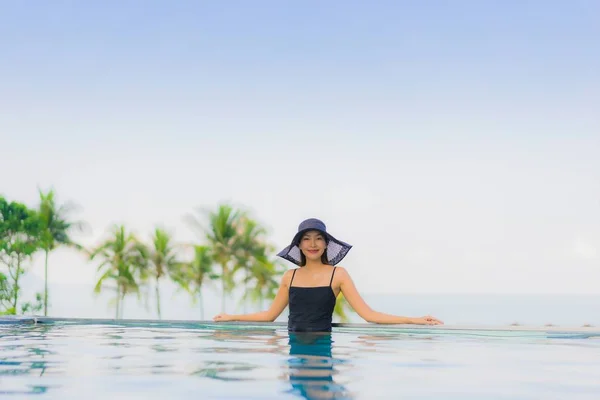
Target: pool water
151,360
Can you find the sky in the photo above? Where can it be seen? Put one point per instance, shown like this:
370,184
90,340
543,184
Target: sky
454,144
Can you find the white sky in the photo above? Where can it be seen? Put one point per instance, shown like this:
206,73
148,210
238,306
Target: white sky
455,158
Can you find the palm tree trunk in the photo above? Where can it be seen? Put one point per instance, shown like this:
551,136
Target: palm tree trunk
16,287
201,306
223,298
118,301
46,284
247,270
223,278
122,304
158,299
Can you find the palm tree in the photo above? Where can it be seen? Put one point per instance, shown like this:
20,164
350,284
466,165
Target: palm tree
341,309
163,260
222,236
195,274
56,228
249,250
124,260
263,281
20,234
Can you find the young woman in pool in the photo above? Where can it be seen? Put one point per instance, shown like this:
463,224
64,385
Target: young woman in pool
312,289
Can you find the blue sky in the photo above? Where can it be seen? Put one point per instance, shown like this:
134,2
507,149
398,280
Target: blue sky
455,144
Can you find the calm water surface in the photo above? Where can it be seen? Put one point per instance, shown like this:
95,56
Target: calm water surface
153,361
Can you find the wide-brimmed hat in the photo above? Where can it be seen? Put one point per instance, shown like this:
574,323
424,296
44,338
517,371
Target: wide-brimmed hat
336,249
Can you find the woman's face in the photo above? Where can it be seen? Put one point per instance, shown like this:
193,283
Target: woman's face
313,245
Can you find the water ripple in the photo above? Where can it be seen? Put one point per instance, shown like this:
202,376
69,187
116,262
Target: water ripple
158,361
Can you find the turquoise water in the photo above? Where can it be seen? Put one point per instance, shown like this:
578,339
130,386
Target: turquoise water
135,360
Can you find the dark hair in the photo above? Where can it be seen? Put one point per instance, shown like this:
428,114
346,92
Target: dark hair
324,258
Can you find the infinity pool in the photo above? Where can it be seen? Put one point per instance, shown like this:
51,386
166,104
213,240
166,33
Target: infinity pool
75,359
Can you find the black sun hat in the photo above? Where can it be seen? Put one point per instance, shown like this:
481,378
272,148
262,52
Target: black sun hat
336,249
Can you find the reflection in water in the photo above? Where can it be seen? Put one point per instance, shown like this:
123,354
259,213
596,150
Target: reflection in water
28,358
250,341
265,362
311,367
217,370
34,390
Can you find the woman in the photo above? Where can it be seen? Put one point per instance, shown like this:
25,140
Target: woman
312,289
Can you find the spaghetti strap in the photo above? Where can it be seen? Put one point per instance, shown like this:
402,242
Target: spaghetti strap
331,281
293,274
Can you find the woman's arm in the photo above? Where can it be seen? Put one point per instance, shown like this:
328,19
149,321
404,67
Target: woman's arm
367,313
277,307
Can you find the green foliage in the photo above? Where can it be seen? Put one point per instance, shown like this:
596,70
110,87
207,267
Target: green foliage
163,259
56,229
123,265
262,281
20,230
232,249
341,310
55,224
5,296
194,276
238,245
33,307
197,272
20,238
222,235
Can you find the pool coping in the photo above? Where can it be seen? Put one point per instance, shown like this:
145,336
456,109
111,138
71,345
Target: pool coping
28,320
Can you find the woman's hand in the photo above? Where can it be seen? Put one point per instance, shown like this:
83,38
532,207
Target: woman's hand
222,317
427,320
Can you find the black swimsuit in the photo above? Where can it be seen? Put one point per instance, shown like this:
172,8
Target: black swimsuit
311,308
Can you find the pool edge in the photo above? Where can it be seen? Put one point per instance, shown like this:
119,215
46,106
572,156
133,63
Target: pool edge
29,320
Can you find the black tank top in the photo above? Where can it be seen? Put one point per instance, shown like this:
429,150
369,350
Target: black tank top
311,308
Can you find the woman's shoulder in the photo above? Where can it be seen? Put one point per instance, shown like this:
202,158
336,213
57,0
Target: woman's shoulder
287,276
341,271
340,276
